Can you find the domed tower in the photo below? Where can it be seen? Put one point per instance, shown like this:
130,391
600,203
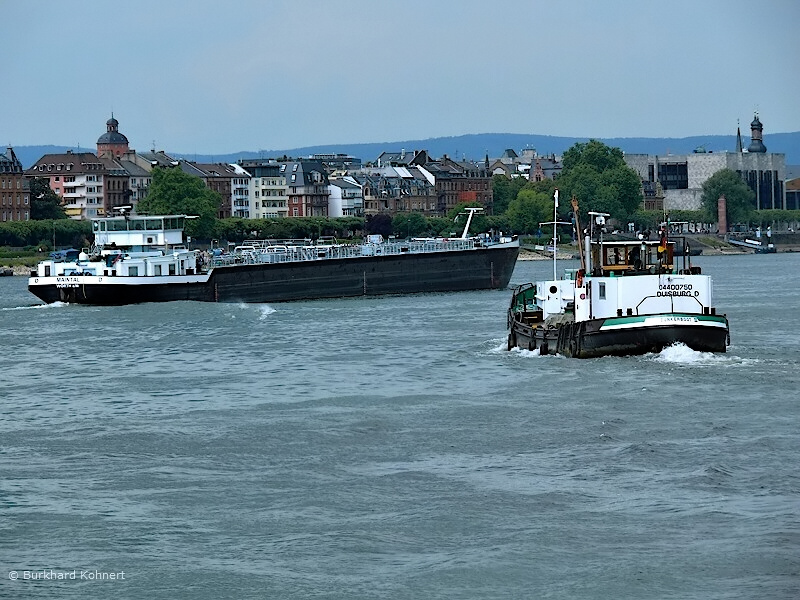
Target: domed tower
756,143
112,142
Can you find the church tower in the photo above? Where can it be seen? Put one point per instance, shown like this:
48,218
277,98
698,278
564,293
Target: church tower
112,144
756,143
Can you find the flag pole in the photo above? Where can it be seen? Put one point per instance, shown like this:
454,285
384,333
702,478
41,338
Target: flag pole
555,223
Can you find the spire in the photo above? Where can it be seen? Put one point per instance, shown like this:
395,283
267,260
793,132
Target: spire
739,145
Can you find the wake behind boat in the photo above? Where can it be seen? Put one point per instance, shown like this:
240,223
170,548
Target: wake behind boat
144,259
629,297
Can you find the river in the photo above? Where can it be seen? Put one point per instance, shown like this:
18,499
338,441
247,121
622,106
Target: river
392,448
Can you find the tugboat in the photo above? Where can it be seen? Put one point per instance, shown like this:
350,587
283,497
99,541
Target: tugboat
629,297
145,259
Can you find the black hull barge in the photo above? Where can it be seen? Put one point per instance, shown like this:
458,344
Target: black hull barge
147,263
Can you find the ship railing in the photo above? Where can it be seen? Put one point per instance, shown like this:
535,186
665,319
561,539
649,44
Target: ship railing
277,251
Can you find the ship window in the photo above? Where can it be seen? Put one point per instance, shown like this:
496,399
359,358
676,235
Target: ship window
172,269
602,290
133,271
156,270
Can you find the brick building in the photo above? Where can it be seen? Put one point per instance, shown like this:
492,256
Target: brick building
14,192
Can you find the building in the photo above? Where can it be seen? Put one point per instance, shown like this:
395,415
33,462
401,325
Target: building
337,162
793,188
139,176
267,191
14,191
396,189
544,167
307,185
77,178
682,176
116,191
218,177
461,182
345,198
529,165
240,193
112,144
453,182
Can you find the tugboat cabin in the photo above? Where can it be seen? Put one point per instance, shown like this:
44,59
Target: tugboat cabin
631,257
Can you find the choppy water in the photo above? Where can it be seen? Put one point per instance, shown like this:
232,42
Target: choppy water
392,448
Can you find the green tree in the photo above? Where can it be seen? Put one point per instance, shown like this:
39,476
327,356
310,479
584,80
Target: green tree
598,177
45,203
379,224
504,190
529,209
173,192
409,224
739,198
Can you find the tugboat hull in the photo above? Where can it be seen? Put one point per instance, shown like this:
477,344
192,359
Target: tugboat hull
624,336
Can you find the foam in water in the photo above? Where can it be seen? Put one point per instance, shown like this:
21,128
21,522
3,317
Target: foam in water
681,353
265,311
38,306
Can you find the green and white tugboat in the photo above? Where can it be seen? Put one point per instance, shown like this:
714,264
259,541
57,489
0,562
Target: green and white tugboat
629,297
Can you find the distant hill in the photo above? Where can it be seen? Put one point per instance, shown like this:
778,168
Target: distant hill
477,146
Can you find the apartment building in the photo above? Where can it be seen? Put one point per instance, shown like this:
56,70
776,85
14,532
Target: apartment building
307,185
345,198
268,194
78,178
14,192
396,189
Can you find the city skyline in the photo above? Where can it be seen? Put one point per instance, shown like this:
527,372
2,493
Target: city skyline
205,78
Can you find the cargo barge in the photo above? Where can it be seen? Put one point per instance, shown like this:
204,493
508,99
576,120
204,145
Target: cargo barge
139,259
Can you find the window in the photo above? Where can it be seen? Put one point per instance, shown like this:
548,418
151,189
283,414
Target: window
602,290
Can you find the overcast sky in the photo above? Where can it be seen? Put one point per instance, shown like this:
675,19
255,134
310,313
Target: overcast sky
213,76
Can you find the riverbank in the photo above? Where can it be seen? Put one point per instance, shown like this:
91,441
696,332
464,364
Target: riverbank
709,245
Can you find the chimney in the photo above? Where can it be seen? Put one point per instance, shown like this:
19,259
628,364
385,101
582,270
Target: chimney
722,218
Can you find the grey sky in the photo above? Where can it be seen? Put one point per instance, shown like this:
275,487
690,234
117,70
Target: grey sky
209,76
